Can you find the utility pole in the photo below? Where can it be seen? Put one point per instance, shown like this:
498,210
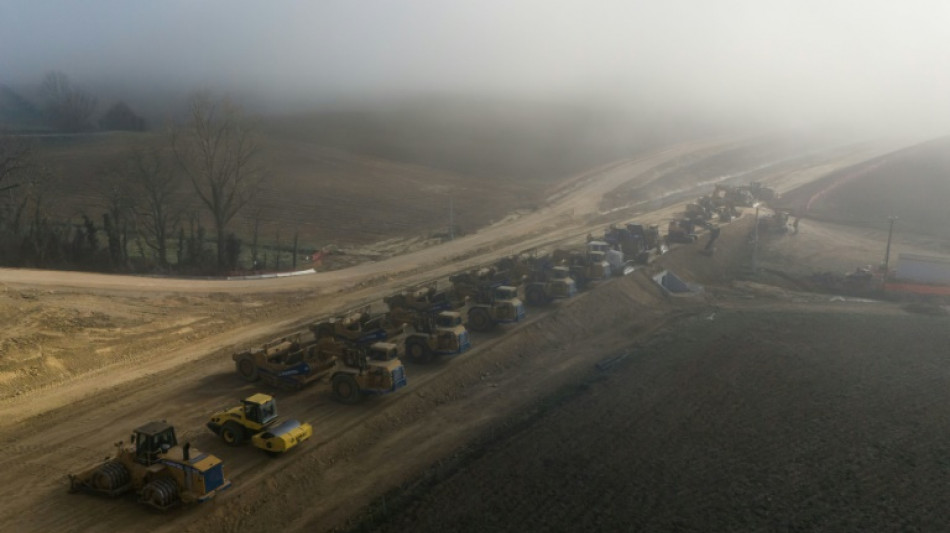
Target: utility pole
755,240
451,220
887,251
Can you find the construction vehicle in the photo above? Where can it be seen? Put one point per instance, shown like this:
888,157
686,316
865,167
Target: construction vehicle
429,334
760,192
487,302
731,195
426,298
547,283
354,368
153,465
588,266
286,363
635,242
365,370
358,326
680,231
256,418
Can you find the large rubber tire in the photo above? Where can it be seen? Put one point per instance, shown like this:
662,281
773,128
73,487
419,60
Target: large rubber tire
345,389
247,368
479,319
535,296
160,493
232,434
418,351
110,476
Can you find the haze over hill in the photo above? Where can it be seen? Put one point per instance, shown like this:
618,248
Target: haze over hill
793,64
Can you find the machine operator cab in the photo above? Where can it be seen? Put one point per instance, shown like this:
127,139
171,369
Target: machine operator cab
448,320
260,409
505,292
152,441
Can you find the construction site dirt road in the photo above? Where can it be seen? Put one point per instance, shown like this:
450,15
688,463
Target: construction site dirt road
152,348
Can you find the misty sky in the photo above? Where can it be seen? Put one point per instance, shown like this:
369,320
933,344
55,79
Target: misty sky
788,58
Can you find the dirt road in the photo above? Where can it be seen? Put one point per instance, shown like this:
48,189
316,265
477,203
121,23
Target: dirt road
160,349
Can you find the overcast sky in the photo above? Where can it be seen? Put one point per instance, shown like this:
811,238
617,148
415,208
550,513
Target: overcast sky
792,59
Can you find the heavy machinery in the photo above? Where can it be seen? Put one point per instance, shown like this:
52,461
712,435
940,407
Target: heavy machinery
153,465
760,192
547,283
366,370
354,368
256,418
486,301
635,241
680,231
287,363
430,334
588,266
736,196
426,298
358,326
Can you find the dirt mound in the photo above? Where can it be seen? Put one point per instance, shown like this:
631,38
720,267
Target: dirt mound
714,429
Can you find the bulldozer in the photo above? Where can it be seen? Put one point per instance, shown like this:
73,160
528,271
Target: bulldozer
286,363
153,465
257,418
487,302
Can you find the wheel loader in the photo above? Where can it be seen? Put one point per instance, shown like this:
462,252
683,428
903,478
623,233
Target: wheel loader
486,302
285,363
256,418
160,472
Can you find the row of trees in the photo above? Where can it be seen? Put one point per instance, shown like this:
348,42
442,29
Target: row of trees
153,201
69,108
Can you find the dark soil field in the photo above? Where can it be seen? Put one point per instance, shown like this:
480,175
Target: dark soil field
911,184
746,420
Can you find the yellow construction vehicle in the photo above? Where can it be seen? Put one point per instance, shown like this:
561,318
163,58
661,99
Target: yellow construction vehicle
357,326
374,369
288,363
257,418
155,467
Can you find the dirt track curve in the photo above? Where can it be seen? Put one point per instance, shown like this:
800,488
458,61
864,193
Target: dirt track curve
357,452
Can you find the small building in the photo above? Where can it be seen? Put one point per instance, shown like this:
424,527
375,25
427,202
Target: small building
923,269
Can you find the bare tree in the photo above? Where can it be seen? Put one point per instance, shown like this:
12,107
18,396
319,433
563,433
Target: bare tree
70,108
156,184
17,167
114,195
16,156
218,152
